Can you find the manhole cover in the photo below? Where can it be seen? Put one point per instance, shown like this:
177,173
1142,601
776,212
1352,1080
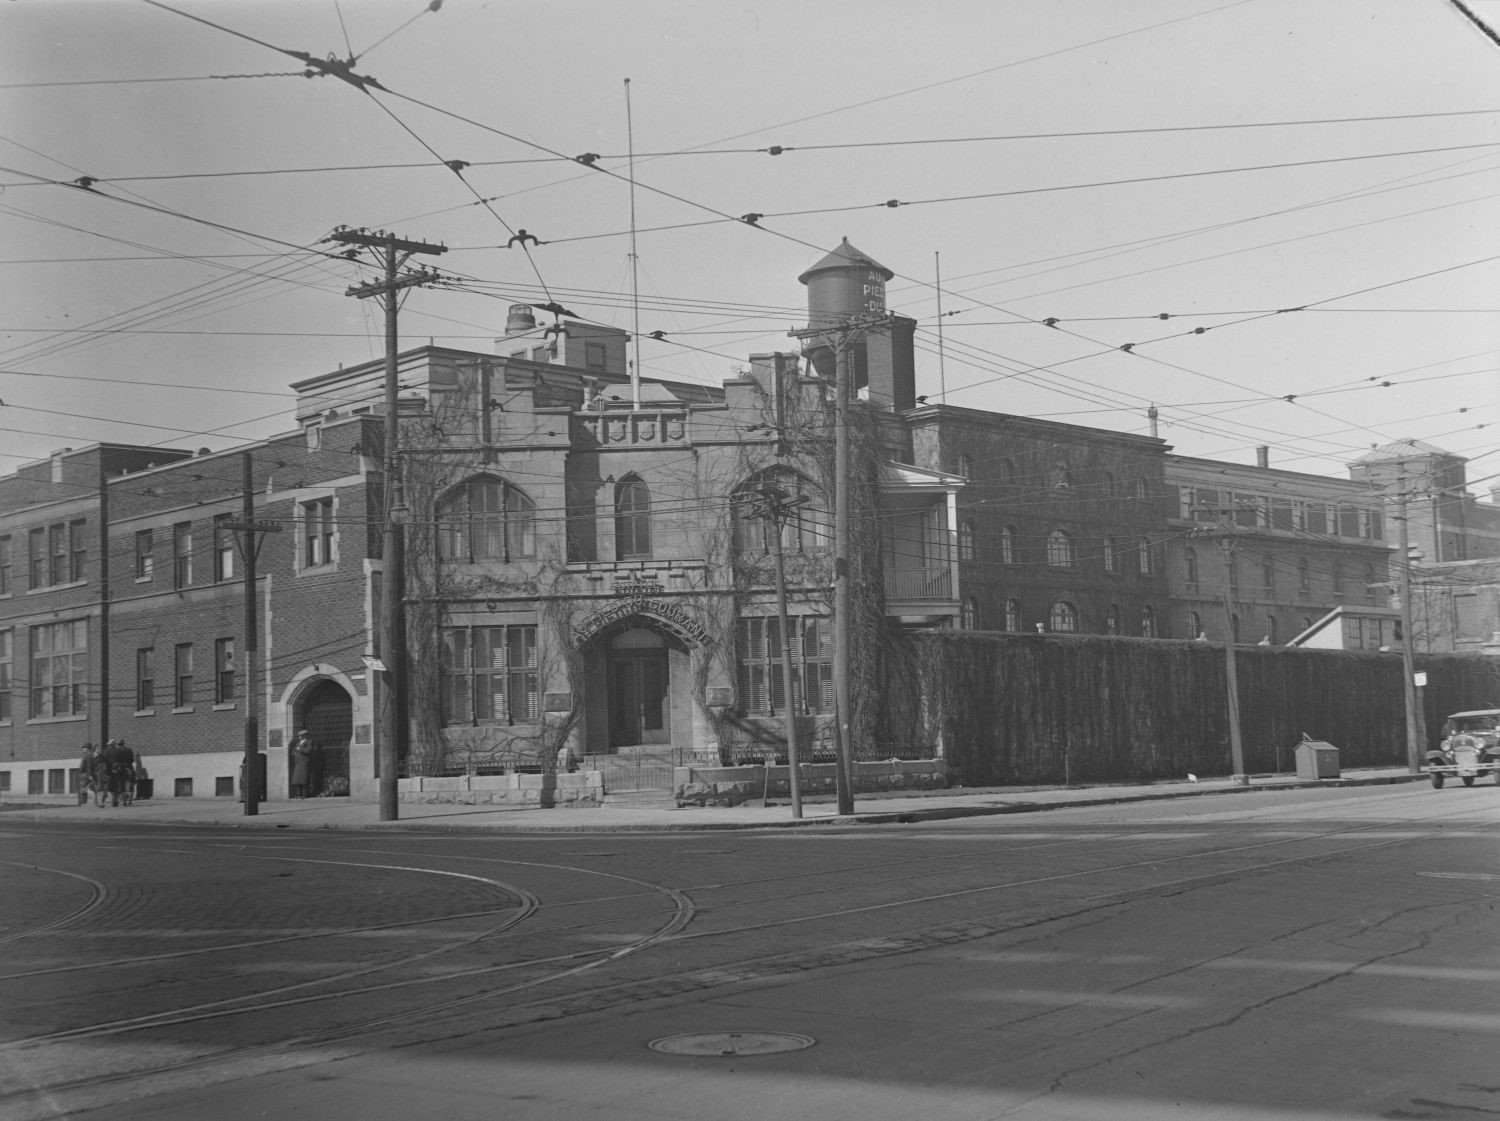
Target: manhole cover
732,1043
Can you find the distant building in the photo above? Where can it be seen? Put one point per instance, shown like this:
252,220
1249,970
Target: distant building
1353,628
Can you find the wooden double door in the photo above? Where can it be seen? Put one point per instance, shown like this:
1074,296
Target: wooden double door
640,706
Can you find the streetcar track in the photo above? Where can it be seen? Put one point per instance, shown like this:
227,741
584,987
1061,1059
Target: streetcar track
748,968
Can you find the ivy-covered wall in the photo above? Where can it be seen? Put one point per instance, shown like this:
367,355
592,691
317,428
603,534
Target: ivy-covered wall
1018,709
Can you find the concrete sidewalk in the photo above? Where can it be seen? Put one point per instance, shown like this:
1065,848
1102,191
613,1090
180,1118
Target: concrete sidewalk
340,813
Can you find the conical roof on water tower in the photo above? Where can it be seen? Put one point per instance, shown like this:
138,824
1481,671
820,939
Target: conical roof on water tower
847,282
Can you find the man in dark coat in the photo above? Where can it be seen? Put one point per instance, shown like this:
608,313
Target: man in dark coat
119,762
85,773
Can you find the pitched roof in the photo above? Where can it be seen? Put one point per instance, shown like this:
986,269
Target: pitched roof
1402,449
843,257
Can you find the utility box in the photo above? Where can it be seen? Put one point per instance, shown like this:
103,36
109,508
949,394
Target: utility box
1317,759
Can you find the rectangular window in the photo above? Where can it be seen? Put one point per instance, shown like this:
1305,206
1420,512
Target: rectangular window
7,661
490,675
145,679
223,671
317,533
1317,518
1369,525
182,554
57,554
78,551
5,577
594,356
60,669
758,664
1348,521
37,558
182,675
1111,555
223,548
145,555
1147,558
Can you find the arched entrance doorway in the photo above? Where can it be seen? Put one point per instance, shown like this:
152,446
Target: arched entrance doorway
326,710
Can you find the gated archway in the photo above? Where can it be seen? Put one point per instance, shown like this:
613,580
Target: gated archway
326,710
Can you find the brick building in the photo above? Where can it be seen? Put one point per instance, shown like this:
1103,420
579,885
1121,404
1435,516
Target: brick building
157,657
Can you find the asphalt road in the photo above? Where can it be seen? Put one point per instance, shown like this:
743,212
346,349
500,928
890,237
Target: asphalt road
1304,954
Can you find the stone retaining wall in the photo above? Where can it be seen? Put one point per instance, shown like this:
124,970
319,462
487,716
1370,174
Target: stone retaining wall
729,786
582,789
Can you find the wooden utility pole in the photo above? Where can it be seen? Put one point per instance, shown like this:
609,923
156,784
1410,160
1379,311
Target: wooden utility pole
393,252
1225,540
1408,669
248,536
844,635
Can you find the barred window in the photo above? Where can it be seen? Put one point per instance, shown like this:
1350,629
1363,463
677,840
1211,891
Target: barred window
60,669
758,658
486,519
490,675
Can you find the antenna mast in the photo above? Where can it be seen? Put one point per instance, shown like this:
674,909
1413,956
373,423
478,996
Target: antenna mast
635,282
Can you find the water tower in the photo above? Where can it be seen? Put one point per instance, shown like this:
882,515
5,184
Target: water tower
845,292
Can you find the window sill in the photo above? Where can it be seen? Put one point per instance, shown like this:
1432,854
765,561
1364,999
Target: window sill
57,587
144,712
69,719
224,706
143,579
182,708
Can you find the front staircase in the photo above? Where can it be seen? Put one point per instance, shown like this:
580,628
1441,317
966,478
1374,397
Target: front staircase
637,776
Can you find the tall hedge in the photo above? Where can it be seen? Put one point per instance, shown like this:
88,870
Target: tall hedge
1018,709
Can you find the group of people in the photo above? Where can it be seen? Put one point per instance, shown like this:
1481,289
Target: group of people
110,772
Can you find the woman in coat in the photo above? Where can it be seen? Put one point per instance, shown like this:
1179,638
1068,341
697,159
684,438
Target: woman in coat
302,752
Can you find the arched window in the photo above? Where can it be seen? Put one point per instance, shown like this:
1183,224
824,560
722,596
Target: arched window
966,540
1059,549
1063,618
1268,572
1147,557
1190,558
1059,477
970,619
1008,545
1304,579
1148,622
632,519
1012,614
1306,621
486,519
806,527
1112,619
1194,624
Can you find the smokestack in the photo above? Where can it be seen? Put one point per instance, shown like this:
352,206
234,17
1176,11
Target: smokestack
1263,456
520,320
1152,414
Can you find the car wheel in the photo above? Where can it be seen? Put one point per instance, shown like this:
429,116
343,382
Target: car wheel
1437,780
1468,780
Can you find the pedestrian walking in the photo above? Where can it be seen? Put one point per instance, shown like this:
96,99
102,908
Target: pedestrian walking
119,762
86,773
301,768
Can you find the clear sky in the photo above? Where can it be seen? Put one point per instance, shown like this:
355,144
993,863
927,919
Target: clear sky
1311,184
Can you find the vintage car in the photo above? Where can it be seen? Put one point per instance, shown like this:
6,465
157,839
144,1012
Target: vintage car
1470,748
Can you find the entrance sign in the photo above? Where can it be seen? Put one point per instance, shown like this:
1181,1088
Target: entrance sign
678,620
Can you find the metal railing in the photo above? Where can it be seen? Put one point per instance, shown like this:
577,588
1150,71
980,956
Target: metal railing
919,583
